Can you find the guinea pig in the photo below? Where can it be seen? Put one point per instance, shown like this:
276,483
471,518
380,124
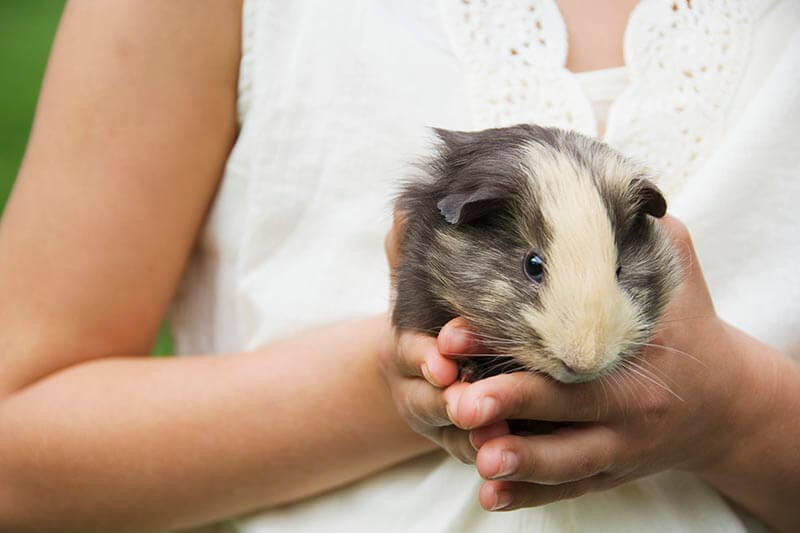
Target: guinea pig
545,241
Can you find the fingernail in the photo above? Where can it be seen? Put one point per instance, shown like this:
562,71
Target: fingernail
509,463
427,374
449,412
487,409
472,441
480,436
457,340
502,500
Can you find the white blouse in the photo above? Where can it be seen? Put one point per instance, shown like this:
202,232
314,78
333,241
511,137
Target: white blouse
602,88
335,101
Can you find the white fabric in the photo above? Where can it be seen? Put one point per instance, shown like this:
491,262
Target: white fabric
335,98
602,87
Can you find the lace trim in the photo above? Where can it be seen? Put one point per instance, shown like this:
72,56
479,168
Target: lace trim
685,59
515,52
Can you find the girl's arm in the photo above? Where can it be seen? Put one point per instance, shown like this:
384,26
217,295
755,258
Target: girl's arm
138,444
135,122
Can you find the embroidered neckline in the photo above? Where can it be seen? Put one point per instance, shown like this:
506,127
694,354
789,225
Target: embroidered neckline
685,61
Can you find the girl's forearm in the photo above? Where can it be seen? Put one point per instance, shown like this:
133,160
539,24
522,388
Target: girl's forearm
139,443
762,471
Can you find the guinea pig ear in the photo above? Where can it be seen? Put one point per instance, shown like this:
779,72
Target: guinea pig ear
473,174
463,207
651,201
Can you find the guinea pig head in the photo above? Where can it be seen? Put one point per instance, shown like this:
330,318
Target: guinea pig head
548,246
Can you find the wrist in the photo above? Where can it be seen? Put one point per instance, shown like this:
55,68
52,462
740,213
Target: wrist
749,390
757,466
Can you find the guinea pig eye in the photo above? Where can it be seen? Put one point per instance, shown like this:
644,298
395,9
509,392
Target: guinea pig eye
619,271
534,267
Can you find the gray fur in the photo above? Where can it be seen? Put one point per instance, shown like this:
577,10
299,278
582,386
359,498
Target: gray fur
475,215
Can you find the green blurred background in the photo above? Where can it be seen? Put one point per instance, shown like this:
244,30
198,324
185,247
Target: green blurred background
27,28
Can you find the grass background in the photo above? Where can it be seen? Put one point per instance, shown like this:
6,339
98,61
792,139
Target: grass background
27,28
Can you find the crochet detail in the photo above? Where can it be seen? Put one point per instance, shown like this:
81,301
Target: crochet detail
685,60
515,52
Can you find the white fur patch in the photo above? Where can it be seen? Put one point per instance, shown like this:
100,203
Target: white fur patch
586,318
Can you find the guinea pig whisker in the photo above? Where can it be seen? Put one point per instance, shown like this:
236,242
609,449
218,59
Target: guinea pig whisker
690,356
618,386
502,364
606,388
605,395
493,339
487,336
629,374
479,354
501,367
651,367
637,382
430,331
650,379
630,365
492,342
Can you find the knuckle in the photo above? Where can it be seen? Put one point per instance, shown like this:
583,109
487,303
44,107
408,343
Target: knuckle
421,411
584,402
404,406
388,246
608,480
456,442
586,464
392,360
411,401
407,354
413,409
680,233
520,397
530,467
398,220
387,358
573,490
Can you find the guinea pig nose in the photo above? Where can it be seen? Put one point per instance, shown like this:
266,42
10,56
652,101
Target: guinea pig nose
579,367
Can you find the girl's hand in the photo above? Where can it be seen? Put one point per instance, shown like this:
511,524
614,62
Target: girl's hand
417,372
677,405
418,367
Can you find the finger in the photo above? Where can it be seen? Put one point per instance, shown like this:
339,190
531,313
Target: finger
678,232
439,370
418,355
531,396
694,292
455,339
452,395
570,454
456,442
424,404
510,495
412,350
478,437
